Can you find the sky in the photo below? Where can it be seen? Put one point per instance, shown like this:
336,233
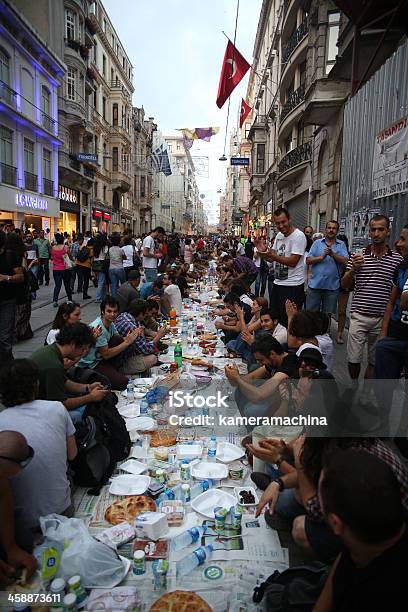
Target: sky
176,48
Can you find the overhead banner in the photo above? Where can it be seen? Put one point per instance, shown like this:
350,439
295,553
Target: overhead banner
201,165
390,161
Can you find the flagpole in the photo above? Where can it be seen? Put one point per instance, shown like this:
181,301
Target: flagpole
229,98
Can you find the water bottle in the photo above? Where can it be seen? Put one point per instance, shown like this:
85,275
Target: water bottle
212,448
201,487
194,559
184,327
144,406
191,536
178,355
130,390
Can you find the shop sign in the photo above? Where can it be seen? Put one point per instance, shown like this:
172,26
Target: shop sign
67,194
106,216
239,161
31,201
89,157
97,214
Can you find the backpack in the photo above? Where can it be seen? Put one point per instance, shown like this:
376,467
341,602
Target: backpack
295,590
83,254
117,436
93,464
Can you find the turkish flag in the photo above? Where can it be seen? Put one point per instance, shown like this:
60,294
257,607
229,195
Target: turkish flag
234,68
245,110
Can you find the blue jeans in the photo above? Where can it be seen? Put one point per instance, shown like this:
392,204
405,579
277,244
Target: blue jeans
101,290
117,276
62,276
324,300
241,347
150,274
260,282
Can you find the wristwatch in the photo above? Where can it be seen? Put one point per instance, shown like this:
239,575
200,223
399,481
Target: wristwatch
281,484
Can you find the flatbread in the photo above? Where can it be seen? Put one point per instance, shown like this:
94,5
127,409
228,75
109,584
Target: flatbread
163,437
129,508
208,336
180,601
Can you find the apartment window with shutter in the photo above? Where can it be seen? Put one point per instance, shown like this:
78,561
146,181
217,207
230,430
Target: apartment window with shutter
69,24
104,65
115,159
104,107
115,114
260,159
28,155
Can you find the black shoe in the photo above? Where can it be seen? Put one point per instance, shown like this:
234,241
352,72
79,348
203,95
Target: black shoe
86,297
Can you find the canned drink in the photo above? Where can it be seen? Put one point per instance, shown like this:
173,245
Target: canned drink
159,569
185,470
236,518
186,493
220,515
75,586
139,563
161,476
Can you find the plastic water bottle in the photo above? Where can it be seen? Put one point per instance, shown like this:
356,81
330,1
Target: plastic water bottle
201,487
178,355
212,448
191,536
144,406
130,390
184,327
194,559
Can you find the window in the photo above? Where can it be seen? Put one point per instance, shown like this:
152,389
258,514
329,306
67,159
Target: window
104,107
178,146
6,146
111,75
104,65
105,156
28,92
46,164
322,222
142,186
260,159
169,147
115,114
104,193
71,93
95,52
95,98
28,155
125,162
45,101
302,74
104,25
69,24
69,143
332,36
115,159
80,30
123,63
300,133
4,67
113,42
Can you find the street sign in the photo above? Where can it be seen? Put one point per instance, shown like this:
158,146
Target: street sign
90,157
239,161
165,206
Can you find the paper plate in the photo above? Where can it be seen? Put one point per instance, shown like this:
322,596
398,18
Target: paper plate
133,467
189,451
206,502
131,411
244,488
139,453
129,484
207,469
142,423
227,452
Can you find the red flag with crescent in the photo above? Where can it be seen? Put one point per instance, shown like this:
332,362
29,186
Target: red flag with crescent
234,68
245,110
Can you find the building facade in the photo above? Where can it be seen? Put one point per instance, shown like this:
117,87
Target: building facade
30,74
142,170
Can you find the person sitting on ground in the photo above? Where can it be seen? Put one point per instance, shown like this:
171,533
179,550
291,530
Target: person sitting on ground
269,324
67,314
172,292
153,290
304,327
129,290
152,317
230,324
42,487
109,345
302,505
361,501
71,344
240,346
142,355
15,455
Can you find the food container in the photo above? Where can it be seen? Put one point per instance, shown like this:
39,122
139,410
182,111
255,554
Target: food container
139,563
175,512
235,471
161,453
220,515
117,535
251,490
161,475
152,525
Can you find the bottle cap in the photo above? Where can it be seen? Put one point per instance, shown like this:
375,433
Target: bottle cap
139,554
57,585
74,580
70,599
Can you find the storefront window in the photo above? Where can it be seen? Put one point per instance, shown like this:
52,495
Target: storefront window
67,222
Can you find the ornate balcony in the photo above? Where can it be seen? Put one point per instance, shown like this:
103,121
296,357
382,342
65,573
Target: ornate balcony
295,98
297,156
294,40
48,186
47,122
7,94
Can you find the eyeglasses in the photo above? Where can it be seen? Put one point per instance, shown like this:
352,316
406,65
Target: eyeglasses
21,462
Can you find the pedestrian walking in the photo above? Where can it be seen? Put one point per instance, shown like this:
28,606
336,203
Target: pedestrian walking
100,265
116,269
44,253
129,252
61,269
83,264
150,255
11,275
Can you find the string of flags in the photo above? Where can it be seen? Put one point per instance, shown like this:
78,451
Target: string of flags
245,110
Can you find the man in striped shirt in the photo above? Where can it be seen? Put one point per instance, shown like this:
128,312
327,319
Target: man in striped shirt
371,275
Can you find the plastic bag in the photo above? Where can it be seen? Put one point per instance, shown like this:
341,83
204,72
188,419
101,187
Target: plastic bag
96,563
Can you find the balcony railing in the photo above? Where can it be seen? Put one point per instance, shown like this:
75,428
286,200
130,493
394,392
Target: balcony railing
47,122
89,172
31,181
8,174
7,94
296,38
48,187
295,98
117,84
301,154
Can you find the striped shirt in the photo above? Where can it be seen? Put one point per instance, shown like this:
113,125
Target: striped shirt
373,282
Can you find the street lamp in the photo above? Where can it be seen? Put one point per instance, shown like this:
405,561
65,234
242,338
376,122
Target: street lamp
223,157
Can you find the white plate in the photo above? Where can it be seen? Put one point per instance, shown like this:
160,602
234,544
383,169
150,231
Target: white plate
227,452
139,453
129,484
109,585
244,488
207,501
208,469
133,467
131,411
189,451
142,423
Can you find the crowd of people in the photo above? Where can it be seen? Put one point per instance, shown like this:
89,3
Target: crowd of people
341,490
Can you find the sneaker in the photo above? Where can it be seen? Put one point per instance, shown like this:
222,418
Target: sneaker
87,297
55,304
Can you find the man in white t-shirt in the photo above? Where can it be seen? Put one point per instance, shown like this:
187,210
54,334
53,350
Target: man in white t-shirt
287,253
150,256
173,293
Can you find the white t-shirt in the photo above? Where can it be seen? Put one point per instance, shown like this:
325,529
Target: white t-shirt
280,333
326,347
285,246
128,252
138,244
149,262
174,294
240,249
42,487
